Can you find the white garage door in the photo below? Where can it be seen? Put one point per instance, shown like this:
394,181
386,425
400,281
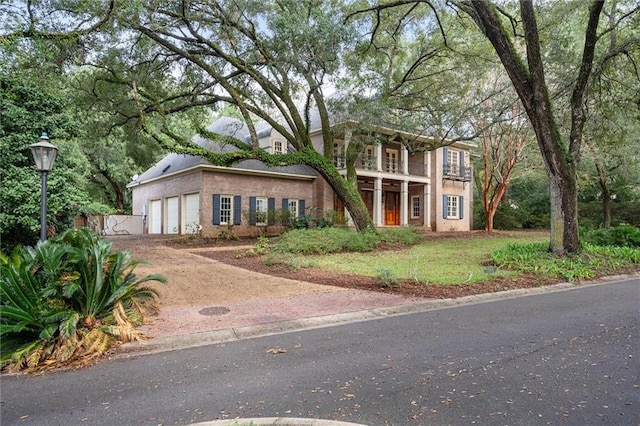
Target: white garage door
172,215
191,209
155,217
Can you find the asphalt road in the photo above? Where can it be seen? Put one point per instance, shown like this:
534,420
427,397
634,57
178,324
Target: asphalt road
569,358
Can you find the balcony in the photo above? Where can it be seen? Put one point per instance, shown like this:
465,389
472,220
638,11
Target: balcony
391,165
456,172
368,162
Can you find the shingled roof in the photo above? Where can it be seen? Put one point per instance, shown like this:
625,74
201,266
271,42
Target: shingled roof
175,163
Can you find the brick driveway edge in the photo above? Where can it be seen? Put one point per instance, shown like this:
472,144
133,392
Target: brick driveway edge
184,341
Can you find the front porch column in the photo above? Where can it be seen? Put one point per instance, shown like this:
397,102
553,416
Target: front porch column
378,147
427,205
404,160
378,218
404,203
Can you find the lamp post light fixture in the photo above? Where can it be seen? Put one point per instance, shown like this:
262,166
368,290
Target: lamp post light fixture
44,154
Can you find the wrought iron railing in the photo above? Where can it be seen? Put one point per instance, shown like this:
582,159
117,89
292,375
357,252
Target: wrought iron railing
456,172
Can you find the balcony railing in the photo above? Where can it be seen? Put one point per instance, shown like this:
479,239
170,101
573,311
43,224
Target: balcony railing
368,162
391,165
340,161
456,172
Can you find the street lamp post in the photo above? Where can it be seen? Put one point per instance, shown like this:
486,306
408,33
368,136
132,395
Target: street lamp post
44,154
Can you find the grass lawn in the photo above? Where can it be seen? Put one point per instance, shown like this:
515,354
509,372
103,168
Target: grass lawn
451,260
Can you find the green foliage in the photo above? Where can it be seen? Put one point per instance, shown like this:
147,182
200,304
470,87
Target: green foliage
402,235
68,299
28,108
620,236
386,278
315,218
325,240
592,261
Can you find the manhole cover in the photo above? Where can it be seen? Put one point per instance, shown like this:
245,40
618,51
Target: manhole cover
214,310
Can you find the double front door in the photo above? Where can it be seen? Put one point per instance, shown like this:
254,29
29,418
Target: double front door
391,208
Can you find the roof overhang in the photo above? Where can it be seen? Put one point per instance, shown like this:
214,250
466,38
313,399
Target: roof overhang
222,169
413,136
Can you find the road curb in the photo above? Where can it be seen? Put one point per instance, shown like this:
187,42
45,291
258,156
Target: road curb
171,343
280,421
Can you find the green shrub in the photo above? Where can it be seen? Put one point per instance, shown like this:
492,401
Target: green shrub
620,236
592,261
403,235
324,241
68,299
386,278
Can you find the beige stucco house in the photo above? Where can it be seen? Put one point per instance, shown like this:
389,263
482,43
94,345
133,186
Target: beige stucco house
427,189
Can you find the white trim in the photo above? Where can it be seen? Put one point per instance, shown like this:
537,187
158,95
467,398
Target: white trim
412,207
222,169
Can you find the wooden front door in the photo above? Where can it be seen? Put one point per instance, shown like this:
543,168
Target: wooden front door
392,208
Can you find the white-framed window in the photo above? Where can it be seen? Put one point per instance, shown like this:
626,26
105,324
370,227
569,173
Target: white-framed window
293,208
261,211
369,158
453,158
415,206
278,147
339,159
452,206
392,160
226,209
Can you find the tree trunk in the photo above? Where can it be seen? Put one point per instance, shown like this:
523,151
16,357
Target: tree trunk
345,190
606,196
529,82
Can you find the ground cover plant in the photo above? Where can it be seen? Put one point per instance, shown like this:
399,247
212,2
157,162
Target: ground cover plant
433,265
67,300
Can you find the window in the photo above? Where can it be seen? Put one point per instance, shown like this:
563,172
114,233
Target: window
369,158
261,211
338,155
259,208
392,160
294,207
454,162
415,206
226,209
278,147
452,206
226,204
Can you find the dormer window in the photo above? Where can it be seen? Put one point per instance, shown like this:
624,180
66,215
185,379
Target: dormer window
278,147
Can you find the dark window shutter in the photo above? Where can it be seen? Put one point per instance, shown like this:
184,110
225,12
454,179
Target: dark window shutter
461,206
237,210
216,209
271,211
285,204
252,210
301,208
444,206
445,161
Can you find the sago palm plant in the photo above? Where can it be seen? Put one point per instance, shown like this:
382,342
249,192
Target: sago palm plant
69,299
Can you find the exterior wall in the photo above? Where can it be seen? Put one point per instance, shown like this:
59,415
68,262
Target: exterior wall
249,186
441,187
162,189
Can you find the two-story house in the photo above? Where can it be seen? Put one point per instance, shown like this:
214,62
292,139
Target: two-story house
428,189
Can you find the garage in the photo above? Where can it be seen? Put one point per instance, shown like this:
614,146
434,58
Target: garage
191,213
155,217
173,215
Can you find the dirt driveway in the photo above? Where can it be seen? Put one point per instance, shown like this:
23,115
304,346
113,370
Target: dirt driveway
194,280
